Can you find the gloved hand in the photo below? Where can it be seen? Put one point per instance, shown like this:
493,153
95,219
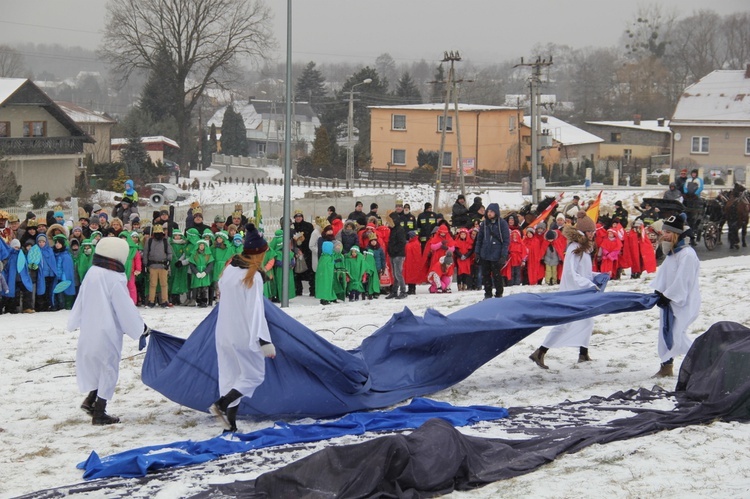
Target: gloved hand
268,350
503,260
142,339
200,275
663,301
444,245
178,264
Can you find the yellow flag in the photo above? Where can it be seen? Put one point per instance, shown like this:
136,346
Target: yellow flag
593,210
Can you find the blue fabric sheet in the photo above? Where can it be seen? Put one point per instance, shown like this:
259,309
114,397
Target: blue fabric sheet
138,462
409,356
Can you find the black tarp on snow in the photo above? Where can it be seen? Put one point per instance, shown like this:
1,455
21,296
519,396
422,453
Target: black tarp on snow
714,384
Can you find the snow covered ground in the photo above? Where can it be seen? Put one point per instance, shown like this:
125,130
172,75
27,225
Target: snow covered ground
43,433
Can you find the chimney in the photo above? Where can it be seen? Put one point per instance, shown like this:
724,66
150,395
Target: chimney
636,119
660,122
747,70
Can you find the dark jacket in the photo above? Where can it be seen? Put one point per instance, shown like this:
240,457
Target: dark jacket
459,215
358,216
493,238
425,222
397,241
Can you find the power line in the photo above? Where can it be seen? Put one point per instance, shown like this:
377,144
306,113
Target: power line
15,23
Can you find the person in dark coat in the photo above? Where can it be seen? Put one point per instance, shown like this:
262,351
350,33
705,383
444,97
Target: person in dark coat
460,213
198,221
426,221
474,208
301,232
410,221
397,252
493,240
358,215
374,212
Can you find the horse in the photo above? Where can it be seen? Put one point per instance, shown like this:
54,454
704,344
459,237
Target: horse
737,213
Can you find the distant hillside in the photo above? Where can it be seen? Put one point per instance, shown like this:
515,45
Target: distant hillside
56,62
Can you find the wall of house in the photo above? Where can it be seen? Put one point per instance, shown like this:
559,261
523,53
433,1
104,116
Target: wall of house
54,174
726,146
16,115
101,150
485,136
642,143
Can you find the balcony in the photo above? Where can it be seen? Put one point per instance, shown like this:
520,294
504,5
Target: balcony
29,146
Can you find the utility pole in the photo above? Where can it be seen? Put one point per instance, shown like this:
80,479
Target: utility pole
350,128
535,98
447,57
460,164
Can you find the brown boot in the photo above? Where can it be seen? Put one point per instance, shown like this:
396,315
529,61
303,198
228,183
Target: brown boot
583,355
665,371
538,358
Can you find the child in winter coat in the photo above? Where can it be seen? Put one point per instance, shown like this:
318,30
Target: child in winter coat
415,268
339,271
201,266
178,275
464,255
354,263
517,254
324,276
134,263
552,258
609,253
375,249
222,254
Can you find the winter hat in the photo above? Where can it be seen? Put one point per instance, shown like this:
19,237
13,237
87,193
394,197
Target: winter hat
638,223
61,238
373,206
127,199
218,218
478,200
327,248
135,219
354,248
551,235
58,214
254,242
530,229
618,203
113,247
412,234
96,208
584,223
237,238
541,225
104,216
674,224
461,196
16,244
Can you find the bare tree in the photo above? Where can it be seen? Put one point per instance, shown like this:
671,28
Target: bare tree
11,63
696,46
648,35
736,31
204,40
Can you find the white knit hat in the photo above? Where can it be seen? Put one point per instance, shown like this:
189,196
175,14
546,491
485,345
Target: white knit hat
113,247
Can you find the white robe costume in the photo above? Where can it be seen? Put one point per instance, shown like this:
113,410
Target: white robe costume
577,274
104,312
239,327
678,278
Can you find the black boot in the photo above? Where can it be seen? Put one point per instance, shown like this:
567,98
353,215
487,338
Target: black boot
232,418
583,355
88,403
219,408
391,295
100,416
412,289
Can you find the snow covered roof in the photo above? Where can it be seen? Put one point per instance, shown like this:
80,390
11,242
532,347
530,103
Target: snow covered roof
721,98
8,87
253,113
565,133
441,106
158,139
648,125
82,115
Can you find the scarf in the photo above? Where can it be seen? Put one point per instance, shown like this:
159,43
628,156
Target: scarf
108,263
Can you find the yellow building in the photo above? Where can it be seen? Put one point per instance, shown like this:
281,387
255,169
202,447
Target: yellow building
489,137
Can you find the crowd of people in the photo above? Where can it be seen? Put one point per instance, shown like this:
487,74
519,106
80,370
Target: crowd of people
361,257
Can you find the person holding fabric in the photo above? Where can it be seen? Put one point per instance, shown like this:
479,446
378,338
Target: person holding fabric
577,274
242,336
104,313
677,283
493,240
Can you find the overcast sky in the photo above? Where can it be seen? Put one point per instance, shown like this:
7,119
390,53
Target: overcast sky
485,31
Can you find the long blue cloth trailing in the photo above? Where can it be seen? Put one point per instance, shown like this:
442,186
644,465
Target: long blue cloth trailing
409,356
138,462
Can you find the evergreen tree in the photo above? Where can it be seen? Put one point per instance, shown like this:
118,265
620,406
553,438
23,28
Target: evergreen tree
233,133
311,87
407,90
134,156
373,93
438,88
158,98
9,188
321,154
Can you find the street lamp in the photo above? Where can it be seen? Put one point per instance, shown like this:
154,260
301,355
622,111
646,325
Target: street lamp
350,125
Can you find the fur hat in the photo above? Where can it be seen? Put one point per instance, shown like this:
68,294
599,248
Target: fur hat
674,224
113,247
584,223
254,242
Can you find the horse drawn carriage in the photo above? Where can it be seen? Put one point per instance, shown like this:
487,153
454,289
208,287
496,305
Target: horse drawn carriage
701,217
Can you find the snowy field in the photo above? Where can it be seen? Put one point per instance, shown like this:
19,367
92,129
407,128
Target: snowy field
44,434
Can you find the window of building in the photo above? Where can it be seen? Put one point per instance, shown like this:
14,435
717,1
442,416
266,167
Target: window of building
699,145
449,128
398,122
615,137
526,139
34,128
4,128
447,159
627,155
398,156
262,148
90,130
512,123
747,145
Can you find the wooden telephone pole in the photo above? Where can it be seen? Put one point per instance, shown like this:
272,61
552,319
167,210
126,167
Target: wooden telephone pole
447,57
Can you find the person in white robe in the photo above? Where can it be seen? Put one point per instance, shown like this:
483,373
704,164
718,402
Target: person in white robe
577,274
243,340
677,283
104,312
